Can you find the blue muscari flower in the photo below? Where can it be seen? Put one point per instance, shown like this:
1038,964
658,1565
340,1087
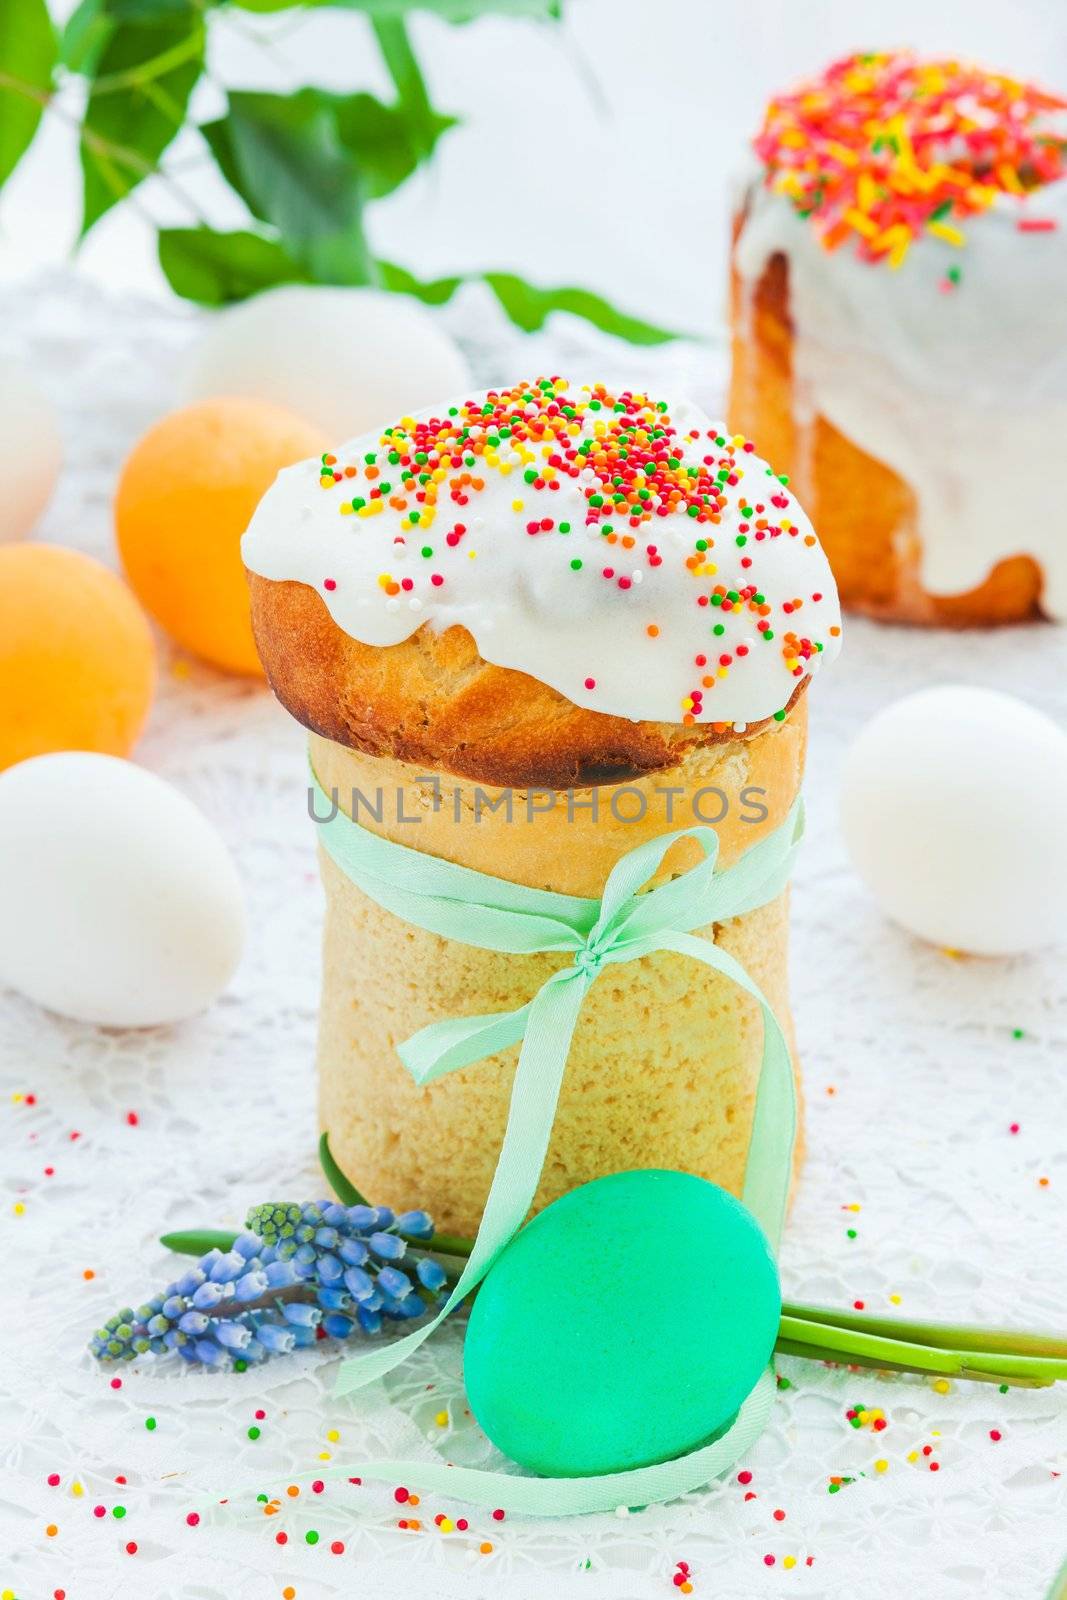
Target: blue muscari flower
387,1246
416,1224
431,1274
299,1272
393,1282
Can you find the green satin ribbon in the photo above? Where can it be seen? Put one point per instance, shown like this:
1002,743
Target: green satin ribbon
623,925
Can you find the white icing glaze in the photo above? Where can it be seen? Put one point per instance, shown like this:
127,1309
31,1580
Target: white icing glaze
963,393
584,632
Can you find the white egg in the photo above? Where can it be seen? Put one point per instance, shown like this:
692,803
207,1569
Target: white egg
954,804
29,450
346,359
120,903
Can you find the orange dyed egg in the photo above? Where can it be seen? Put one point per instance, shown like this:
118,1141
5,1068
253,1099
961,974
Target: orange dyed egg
77,661
185,497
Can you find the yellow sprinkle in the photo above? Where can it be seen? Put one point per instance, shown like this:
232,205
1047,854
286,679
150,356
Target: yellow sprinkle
945,231
913,1455
866,191
1009,178
853,1207
324,1455
446,1525
953,955
346,508
942,1386
19,1209
333,1435
847,157
471,554
441,1419
881,1465
789,1561
516,505
722,672
76,1489
16,1099
894,1299
861,223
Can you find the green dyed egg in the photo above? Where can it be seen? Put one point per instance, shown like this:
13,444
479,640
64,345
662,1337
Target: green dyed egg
624,1325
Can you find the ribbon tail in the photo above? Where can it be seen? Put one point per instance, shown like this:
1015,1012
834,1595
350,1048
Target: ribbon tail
550,1021
769,1169
460,1041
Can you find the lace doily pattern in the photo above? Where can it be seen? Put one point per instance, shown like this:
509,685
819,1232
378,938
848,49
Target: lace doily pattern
936,1182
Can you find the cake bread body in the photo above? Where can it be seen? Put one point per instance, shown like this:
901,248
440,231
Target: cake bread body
527,632
899,318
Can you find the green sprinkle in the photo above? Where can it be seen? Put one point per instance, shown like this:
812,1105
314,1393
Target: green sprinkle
769,635
596,499
779,716
150,1424
719,629
261,1499
311,1536
119,1512
1017,1033
741,538
253,1433
576,564
529,476
564,527
851,1233
427,551
240,1366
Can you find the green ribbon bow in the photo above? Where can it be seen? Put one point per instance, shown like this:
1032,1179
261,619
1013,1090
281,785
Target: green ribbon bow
623,925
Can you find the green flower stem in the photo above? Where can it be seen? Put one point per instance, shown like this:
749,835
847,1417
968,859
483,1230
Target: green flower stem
814,1352
851,1343
945,1335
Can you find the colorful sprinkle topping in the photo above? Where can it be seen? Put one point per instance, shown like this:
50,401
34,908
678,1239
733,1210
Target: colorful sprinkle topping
611,534
882,149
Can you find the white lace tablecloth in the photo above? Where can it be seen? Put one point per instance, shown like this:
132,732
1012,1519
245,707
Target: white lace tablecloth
916,1192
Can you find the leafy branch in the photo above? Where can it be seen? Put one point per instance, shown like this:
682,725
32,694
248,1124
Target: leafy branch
307,166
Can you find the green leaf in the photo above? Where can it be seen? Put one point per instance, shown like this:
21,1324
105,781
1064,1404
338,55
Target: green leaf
198,1241
343,1187
141,87
387,144
87,31
153,10
447,10
527,306
296,172
422,122
27,56
433,293
215,269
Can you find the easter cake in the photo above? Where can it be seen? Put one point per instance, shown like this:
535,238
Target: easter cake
527,631
900,332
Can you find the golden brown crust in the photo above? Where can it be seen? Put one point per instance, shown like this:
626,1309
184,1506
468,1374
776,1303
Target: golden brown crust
867,516
433,701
